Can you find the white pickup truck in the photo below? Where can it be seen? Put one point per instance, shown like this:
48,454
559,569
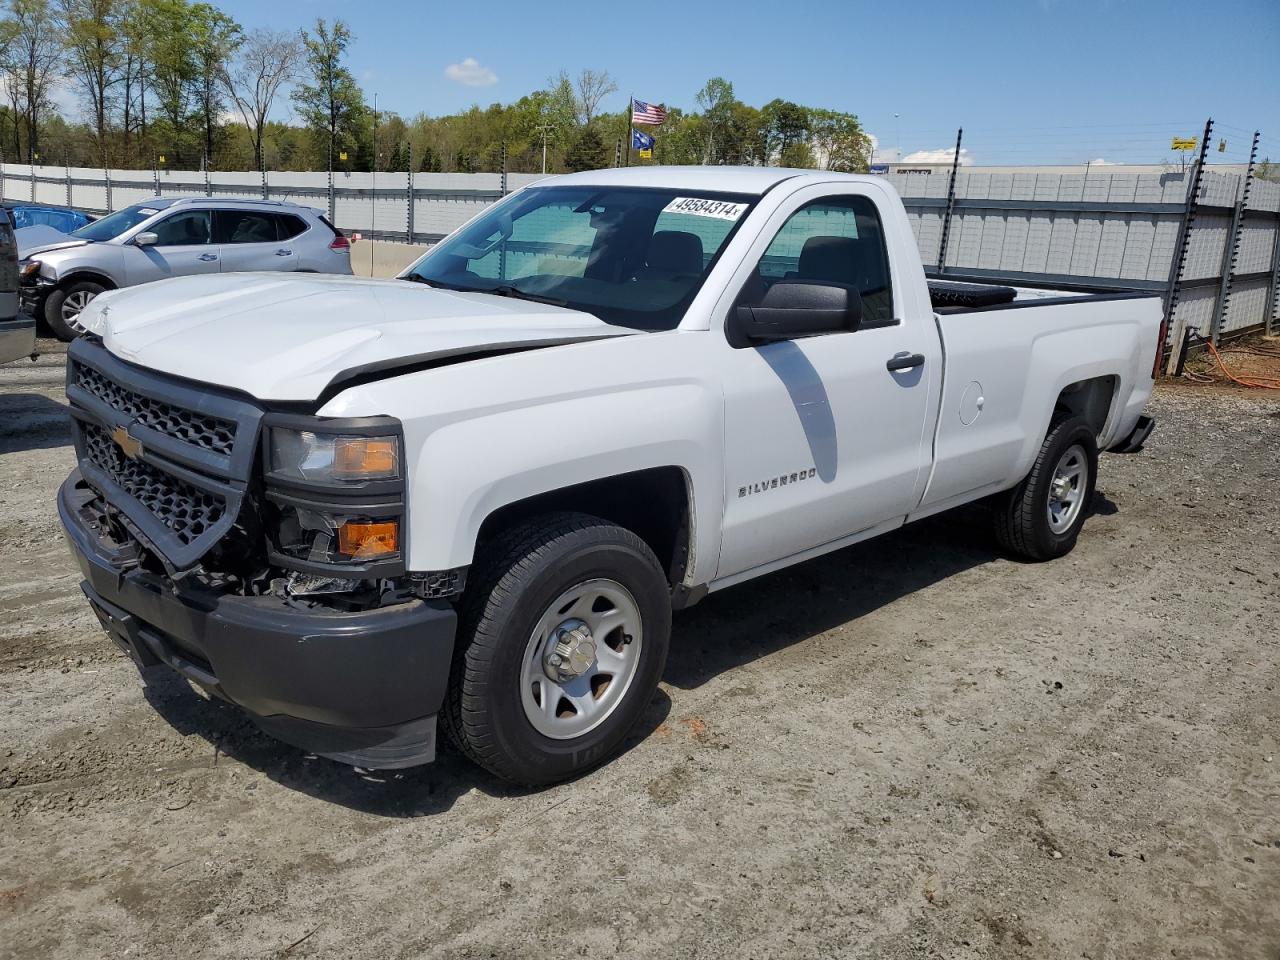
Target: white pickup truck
475,494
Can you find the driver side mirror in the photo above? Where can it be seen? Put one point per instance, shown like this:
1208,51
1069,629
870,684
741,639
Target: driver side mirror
801,308
145,239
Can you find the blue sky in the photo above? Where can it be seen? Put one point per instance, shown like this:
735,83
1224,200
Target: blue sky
1036,81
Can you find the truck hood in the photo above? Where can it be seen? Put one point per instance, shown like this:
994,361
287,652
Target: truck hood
291,336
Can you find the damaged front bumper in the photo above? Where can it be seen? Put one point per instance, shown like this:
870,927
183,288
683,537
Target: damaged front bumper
359,687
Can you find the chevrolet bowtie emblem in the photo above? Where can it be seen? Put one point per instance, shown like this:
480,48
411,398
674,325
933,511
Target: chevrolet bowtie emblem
129,446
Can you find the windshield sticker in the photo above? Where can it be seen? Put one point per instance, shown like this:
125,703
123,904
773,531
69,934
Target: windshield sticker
701,207
147,210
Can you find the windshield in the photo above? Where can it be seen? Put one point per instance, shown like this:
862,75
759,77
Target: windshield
114,224
631,256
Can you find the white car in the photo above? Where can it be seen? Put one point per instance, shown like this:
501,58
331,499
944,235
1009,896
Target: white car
475,495
174,237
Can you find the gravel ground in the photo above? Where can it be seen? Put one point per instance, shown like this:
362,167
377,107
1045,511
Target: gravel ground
914,747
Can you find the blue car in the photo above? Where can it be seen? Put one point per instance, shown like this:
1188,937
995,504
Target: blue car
60,218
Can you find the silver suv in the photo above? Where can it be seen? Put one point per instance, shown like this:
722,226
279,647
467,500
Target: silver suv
174,237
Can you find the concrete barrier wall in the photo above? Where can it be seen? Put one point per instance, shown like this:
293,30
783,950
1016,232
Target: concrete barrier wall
1100,230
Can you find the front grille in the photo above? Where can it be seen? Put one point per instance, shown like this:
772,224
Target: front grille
185,510
198,429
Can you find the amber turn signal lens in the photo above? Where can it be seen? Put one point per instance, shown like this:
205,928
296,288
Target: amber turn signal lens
368,540
366,458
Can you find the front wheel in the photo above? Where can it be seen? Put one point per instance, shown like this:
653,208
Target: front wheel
563,637
63,306
1041,517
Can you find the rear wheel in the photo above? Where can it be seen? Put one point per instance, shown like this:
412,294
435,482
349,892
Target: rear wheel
563,636
63,306
1041,517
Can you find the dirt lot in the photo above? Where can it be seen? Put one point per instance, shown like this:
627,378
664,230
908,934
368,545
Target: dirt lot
912,748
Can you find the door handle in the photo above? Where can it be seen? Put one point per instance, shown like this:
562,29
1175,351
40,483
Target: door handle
207,257
905,361
284,252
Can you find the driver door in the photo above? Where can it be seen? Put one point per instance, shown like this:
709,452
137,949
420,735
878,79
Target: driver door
184,246
826,436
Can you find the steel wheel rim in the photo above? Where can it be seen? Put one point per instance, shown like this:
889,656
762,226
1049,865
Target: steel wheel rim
562,709
72,305
1067,488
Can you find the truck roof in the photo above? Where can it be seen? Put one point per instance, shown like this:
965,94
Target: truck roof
753,180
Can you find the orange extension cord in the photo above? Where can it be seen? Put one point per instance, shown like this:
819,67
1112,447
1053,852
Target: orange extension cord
1264,383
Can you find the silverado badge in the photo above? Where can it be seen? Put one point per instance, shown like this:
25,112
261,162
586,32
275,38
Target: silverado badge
128,445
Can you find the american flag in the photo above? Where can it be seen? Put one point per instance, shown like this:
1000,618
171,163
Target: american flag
642,112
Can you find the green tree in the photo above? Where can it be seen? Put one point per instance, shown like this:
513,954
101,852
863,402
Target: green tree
717,102
34,50
214,39
839,141
330,103
786,125
94,57
587,151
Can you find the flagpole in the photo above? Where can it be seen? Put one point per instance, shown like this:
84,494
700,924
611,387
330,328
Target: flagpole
631,112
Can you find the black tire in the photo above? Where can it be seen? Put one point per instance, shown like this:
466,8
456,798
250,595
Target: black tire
515,579
1022,515
53,307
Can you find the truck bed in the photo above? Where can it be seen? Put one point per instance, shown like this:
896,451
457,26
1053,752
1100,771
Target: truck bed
954,296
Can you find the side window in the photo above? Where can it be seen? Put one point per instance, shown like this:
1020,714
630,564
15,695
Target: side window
245,226
289,226
833,240
183,229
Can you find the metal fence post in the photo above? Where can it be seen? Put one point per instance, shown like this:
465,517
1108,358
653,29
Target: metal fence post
1273,290
208,190
106,178
266,190
504,168
408,195
1231,249
951,203
33,180
1176,353
1,176
67,163
156,166
617,153
332,204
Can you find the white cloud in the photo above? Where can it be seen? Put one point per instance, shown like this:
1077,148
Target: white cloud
469,73
941,155
1101,163
882,154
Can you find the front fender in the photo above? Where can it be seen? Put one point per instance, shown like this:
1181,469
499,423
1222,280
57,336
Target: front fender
468,470
486,433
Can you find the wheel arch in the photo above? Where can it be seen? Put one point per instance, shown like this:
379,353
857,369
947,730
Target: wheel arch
656,504
1091,399
89,274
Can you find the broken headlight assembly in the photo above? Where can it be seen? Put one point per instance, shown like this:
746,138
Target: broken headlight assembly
335,490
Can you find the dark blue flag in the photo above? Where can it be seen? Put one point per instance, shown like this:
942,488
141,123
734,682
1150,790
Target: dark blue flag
641,141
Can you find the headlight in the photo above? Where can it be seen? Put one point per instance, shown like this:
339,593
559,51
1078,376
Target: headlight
28,269
333,458
336,490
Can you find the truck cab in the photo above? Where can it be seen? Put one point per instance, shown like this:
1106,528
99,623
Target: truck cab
472,497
